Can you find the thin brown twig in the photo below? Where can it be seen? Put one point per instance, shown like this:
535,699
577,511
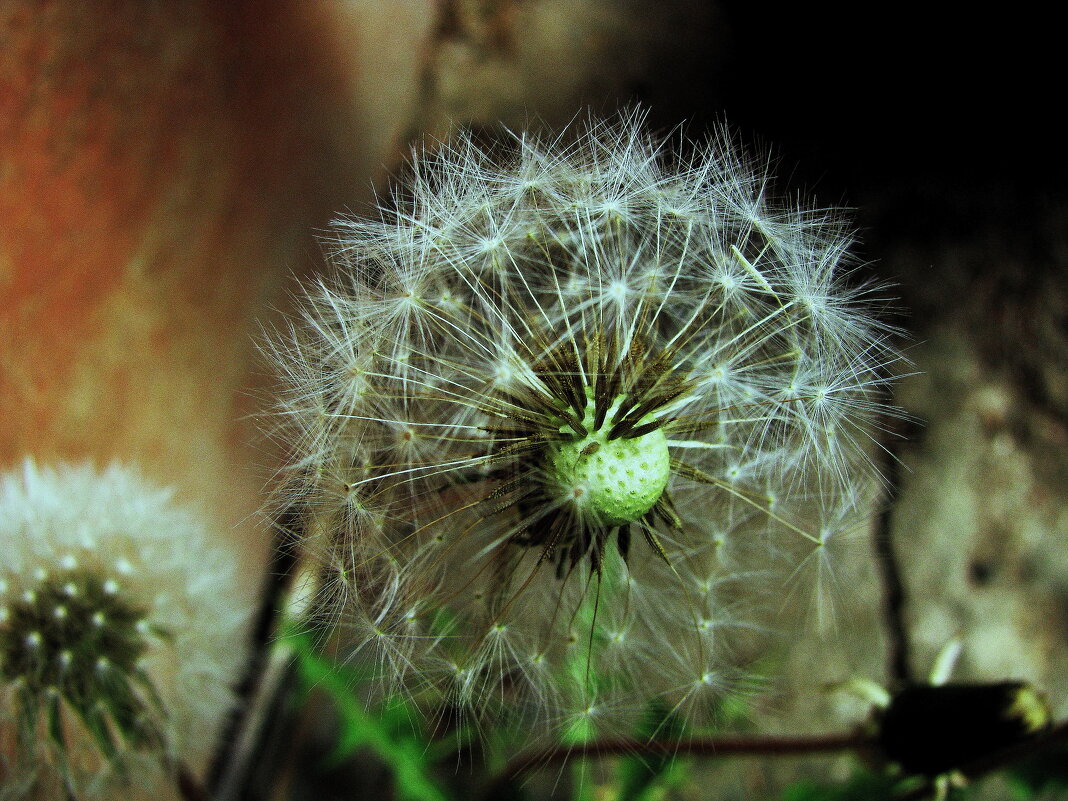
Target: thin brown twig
858,741
893,585
770,745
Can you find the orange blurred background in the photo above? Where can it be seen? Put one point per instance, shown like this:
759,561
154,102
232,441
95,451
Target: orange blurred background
163,169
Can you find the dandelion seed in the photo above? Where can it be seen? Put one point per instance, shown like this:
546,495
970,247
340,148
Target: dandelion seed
106,683
646,385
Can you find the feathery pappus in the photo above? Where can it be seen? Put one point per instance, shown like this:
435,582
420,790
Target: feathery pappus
121,633
559,400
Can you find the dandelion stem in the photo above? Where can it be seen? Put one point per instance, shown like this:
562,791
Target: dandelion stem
276,582
189,787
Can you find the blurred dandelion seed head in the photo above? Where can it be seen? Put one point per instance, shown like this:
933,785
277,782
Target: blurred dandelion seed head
558,400
119,632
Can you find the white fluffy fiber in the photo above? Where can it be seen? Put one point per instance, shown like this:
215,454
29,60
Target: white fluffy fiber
116,524
418,403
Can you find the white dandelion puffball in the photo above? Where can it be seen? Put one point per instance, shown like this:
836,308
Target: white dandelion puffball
558,400
120,633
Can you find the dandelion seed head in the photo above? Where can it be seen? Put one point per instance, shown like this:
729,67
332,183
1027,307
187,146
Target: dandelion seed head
604,388
115,656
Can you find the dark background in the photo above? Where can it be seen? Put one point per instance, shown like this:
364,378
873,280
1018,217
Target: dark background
884,93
